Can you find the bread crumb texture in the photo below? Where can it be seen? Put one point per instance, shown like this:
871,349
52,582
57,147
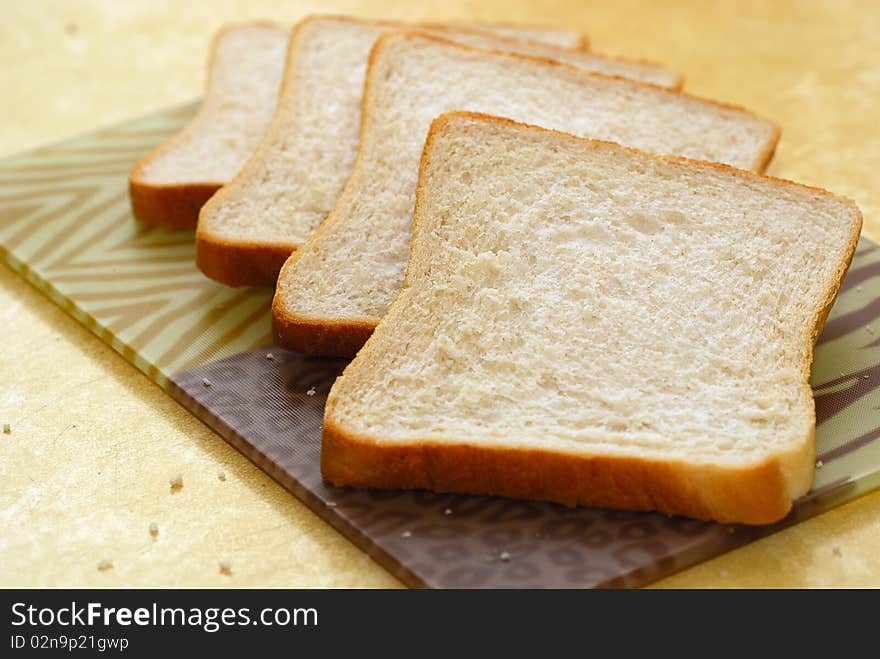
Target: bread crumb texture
591,302
350,270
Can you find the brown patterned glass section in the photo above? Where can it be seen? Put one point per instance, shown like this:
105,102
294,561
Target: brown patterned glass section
269,404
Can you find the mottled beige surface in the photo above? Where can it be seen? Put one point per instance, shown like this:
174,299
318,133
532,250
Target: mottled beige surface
86,468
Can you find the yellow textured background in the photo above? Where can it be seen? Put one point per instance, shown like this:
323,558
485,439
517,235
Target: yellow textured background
86,468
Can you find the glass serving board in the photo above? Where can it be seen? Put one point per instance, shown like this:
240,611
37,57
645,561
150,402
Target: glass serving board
66,227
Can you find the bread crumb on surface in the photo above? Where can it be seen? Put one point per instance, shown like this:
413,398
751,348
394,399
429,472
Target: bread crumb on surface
406,534
270,356
504,556
222,476
311,391
226,568
176,482
448,511
154,529
105,564
7,429
206,382
819,464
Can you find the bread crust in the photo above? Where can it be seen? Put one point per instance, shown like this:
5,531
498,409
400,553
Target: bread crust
171,206
319,336
240,263
327,337
752,494
177,205
758,493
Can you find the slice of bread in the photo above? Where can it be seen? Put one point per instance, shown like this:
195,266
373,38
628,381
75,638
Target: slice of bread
589,324
333,290
289,184
169,185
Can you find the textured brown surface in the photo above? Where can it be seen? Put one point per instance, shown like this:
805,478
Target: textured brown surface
811,66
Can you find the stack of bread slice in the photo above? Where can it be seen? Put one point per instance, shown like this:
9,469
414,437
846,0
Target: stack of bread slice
579,289
293,178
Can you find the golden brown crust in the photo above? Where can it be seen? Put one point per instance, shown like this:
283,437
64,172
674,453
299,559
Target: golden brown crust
171,206
328,337
240,263
751,494
759,493
319,336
